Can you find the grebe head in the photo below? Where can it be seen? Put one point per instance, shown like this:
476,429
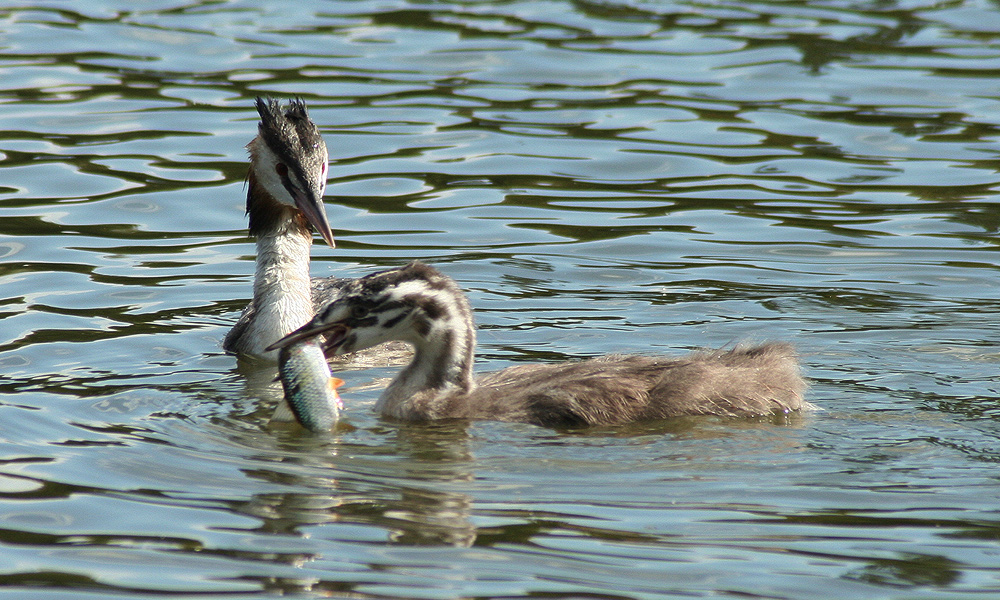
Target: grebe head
415,303
288,159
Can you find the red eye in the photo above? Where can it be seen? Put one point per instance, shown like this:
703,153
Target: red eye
281,170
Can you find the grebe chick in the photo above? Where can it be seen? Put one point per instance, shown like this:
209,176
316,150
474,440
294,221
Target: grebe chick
419,305
285,187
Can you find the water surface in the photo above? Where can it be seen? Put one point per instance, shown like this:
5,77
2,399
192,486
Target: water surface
601,177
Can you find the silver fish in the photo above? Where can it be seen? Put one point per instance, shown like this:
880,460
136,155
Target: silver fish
310,389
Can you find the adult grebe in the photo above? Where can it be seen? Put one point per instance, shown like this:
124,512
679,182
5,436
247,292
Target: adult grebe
419,305
285,186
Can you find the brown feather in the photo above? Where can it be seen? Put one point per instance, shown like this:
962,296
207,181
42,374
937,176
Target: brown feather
743,382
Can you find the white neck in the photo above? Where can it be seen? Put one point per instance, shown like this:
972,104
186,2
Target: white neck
282,295
442,363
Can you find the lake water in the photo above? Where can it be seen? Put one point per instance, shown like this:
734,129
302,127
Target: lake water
607,176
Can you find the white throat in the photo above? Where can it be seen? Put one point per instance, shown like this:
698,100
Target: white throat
442,361
282,295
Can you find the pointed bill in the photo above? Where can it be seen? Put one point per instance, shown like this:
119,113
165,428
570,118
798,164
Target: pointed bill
334,331
312,206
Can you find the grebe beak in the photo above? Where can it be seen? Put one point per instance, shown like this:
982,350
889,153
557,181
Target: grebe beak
335,334
311,204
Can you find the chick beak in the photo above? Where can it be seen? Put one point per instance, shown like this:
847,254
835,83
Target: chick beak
335,333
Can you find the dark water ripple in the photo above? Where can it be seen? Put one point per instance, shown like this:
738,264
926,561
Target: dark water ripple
601,176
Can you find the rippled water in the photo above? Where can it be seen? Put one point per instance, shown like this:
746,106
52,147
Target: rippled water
601,176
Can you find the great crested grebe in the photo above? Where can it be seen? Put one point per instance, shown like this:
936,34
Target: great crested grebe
285,186
419,305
